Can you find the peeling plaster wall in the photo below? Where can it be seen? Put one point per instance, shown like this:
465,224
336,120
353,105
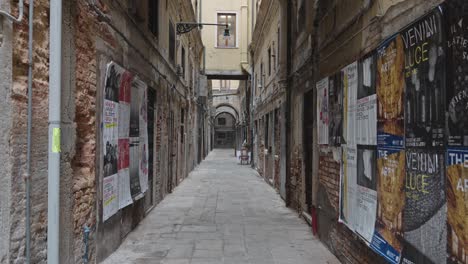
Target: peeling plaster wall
6,123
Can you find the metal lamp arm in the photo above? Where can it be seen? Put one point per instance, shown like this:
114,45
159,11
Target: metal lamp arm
186,27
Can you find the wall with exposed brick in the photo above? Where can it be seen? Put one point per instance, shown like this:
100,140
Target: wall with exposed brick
89,44
345,33
6,123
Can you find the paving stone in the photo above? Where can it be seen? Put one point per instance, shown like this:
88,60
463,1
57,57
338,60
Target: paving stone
223,213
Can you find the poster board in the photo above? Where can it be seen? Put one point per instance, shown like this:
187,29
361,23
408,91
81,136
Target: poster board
125,140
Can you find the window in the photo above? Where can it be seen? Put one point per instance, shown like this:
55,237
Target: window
267,124
225,85
182,121
153,16
171,42
269,61
278,48
230,20
262,74
273,56
222,121
182,62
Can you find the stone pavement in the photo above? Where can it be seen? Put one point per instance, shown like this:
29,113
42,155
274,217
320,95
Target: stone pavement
222,213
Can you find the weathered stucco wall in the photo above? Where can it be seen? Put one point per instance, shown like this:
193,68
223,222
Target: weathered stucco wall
89,44
6,123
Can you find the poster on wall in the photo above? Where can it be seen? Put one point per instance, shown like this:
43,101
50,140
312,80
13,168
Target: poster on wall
110,199
457,85
125,197
366,104
457,129
350,86
322,111
348,188
424,214
390,203
143,128
425,56
110,133
134,146
390,93
457,205
366,190
335,128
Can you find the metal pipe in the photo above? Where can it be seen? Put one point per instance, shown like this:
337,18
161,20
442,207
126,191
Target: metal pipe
20,15
55,79
28,153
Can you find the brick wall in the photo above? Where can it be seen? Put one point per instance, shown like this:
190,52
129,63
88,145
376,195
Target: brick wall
345,244
18,136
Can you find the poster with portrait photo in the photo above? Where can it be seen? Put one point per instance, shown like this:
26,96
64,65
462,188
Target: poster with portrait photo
425,64
335,128
457,85
113,78
322,111
390,203
124,104
110,157
366,105
390,93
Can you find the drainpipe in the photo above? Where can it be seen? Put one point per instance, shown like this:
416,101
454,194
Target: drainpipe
12,18
27,175
54,131
288,103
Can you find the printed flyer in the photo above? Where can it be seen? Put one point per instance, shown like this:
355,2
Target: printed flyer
425,63
322,111
350,87
335,128
390,93
390,203
457,205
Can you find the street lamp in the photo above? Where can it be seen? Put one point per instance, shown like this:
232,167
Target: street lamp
186,27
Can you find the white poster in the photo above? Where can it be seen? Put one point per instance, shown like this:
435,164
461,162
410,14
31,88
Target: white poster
322,111
125,196
143,123
109,196
350,87
110,137
366,192
366,120
349,187
110,157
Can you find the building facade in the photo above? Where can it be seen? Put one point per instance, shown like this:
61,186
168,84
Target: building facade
369,123
112,51
227,63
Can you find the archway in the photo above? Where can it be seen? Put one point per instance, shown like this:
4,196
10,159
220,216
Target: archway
225,130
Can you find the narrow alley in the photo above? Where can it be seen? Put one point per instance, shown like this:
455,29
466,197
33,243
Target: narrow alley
222,213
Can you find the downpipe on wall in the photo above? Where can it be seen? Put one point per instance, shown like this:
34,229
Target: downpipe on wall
55,80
